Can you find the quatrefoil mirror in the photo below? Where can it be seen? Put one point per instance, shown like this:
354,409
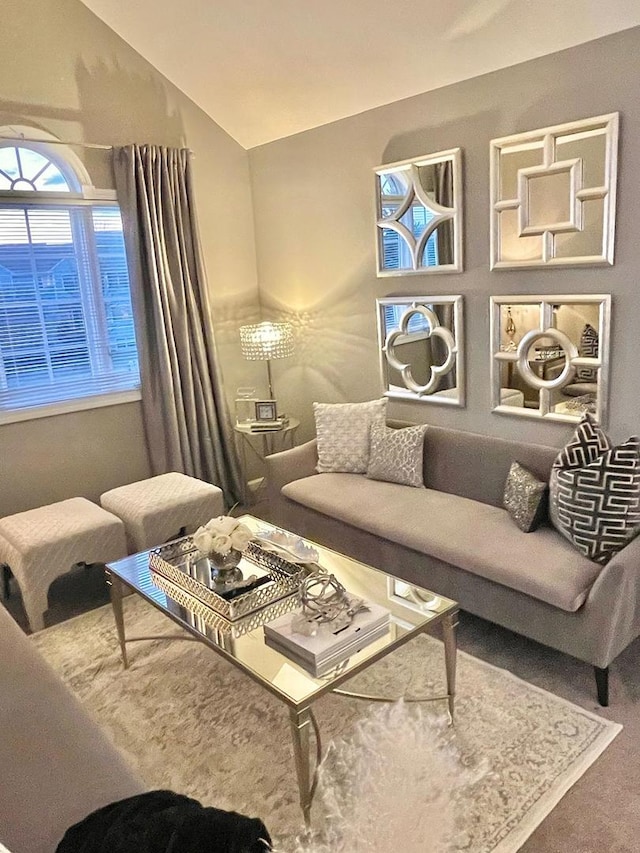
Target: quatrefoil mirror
553,195
550,356
419,215
421,352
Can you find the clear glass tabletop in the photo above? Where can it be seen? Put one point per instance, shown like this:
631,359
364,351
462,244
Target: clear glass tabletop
413,610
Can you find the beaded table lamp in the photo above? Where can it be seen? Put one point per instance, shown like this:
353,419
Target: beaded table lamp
264,341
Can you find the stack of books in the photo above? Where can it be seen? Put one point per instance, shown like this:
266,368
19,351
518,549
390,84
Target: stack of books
324,651
269,426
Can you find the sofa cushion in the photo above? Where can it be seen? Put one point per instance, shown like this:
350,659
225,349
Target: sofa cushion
580,389
396,454
343,434
476,466
473,536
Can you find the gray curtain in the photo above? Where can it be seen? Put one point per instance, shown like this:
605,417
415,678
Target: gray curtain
186,417
445,314
444,196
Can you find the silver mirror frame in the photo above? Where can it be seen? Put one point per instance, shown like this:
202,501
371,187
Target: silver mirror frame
440,214
518,356
546,138
424,393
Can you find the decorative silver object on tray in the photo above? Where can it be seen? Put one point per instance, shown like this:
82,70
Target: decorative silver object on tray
176,561
290,547
325,603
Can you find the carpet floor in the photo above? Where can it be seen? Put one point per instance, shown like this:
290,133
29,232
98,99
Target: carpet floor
219,737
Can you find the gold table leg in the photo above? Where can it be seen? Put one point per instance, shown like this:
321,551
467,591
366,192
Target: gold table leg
301,724
449,625
116,593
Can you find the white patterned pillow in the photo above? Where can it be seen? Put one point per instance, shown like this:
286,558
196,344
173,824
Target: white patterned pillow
396,455
342,430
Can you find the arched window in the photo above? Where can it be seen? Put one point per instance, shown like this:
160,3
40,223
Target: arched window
396,252
67,337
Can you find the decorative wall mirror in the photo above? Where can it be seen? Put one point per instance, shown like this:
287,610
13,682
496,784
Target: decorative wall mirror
550,356
421,352
553,195
419,215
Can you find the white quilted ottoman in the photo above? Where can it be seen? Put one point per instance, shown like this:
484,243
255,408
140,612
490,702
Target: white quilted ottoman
41,544
160,508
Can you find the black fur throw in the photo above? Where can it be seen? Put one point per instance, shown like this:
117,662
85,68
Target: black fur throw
164,822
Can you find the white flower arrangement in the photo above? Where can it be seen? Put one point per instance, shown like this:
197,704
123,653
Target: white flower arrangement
221,536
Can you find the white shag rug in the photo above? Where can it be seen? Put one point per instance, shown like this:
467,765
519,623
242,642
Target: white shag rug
395,777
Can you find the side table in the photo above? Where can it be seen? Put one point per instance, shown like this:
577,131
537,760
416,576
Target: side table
273,440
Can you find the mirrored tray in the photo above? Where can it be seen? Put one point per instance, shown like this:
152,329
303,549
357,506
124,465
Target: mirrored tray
177,562
206,620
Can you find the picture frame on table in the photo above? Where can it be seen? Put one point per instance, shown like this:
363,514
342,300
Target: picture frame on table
266,410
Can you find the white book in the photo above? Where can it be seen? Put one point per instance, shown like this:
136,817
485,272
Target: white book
355,641
326,643
320,669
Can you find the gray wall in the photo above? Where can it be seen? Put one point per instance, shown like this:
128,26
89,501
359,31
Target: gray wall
65,71
313,208
315,234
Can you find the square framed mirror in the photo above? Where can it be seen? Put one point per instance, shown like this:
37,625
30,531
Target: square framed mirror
550,356
421,348
553,195
419,215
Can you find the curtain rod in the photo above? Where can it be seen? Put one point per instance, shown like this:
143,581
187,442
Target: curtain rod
57,142
62,142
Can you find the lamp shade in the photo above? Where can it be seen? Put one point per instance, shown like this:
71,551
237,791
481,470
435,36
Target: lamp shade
265,341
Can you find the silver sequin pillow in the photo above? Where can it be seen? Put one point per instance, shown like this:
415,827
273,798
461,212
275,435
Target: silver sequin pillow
396,455
525,498
342,430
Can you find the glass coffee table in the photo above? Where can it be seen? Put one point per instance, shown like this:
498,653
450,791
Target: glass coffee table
413,611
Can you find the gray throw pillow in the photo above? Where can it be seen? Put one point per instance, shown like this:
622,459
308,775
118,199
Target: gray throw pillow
343,430
594,498
525,498
396,455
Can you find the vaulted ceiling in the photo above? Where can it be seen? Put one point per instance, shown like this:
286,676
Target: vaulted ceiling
265,69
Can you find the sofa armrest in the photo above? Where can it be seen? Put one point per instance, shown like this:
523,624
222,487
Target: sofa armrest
290,465
283,468
615,596
57,763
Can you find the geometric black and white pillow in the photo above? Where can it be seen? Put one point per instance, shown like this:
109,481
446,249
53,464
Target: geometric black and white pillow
588,443
594,497
588,348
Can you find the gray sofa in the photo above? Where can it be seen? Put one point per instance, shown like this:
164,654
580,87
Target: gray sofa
454,538
56,764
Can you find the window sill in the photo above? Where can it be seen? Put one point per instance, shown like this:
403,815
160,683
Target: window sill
68,406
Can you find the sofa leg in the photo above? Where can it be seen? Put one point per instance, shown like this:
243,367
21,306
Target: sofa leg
6,578
602,685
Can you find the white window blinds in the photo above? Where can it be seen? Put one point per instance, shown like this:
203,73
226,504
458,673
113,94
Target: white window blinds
66,322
